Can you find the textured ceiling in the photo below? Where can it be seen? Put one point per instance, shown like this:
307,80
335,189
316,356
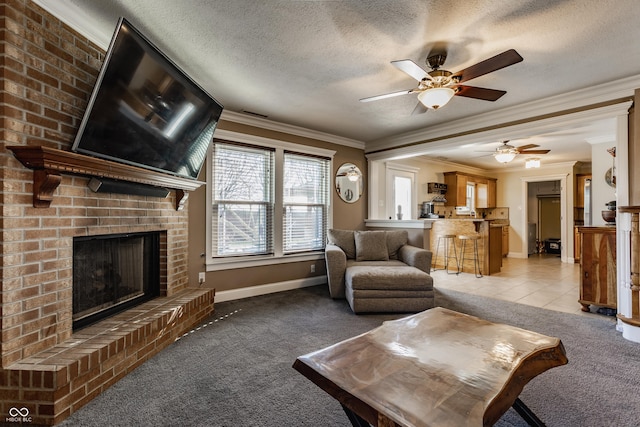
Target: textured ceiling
307,63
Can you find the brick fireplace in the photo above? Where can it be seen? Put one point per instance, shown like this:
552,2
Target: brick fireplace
48,71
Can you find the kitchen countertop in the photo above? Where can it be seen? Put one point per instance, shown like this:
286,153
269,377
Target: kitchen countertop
427,223
422,223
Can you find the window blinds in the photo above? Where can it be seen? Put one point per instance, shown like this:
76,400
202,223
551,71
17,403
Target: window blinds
243,200
305,202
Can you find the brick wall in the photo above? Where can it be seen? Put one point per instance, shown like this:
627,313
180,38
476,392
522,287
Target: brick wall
48,72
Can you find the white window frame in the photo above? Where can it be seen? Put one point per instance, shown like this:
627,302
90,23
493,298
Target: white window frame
278,257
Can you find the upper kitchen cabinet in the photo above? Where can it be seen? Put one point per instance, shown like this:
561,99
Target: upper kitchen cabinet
462,186
580,180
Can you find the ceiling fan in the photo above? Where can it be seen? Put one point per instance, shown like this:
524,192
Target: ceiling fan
437,87
505,153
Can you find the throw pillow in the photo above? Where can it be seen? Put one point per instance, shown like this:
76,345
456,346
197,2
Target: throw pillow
371,246
395,240
344,240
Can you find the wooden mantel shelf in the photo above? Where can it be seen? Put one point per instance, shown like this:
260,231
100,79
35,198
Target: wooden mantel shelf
49,163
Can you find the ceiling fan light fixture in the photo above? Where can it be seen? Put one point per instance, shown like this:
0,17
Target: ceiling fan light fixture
353,175
505,156
436,97
532,163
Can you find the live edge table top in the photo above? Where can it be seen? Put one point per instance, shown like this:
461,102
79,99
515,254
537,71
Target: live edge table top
436,368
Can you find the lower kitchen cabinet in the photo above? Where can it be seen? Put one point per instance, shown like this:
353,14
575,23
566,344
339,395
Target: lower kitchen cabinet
505,240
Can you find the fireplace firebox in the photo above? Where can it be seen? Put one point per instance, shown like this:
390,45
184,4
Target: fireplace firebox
112,273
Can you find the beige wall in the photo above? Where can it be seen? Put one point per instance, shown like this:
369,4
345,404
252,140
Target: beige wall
634,152
601,191
345,216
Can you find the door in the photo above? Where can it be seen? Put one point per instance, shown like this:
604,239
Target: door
549,218
401,199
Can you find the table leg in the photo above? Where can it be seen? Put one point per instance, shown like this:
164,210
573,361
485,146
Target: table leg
526,414
356,420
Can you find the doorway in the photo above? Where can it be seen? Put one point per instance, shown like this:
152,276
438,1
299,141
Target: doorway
544,198
549,217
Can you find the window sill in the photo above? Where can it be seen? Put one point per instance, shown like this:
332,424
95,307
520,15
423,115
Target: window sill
246,262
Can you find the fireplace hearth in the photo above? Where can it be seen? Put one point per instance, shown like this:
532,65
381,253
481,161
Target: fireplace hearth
112,273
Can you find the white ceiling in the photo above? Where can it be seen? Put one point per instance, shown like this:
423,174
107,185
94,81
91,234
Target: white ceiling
308,62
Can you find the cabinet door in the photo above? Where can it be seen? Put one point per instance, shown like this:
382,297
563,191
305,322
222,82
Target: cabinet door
482,195
491,194
598,270
580,179
461,190
505,241
450,179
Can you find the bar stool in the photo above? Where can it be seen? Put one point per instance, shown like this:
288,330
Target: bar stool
448,240
476,259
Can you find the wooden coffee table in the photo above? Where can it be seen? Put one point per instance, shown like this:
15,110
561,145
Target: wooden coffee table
436,368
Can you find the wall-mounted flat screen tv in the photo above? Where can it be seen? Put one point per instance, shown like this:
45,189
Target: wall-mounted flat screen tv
145,111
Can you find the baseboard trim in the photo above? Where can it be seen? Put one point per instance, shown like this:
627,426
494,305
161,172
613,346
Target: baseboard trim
252,291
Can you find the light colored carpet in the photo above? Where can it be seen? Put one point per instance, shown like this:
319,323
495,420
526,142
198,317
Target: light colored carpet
236,370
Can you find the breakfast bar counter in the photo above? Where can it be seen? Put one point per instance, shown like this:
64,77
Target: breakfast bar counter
424,233
418,229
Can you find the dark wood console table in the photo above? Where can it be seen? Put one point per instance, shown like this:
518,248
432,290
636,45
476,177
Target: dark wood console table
435,368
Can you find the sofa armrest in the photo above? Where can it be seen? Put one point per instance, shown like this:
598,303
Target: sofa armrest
416,257
336,261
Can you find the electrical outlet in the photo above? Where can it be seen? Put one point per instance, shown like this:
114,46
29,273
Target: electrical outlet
313,268
201,278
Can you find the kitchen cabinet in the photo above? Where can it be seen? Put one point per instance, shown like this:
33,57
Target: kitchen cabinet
495,248
598,267
505,240
580,180
482,195
456,194
491,193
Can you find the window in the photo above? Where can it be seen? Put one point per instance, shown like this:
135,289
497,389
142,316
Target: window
306,193
242,210
268,202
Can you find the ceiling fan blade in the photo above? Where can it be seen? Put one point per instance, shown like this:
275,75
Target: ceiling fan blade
411,68
526,147
490,65
479,93
387,95
420,109
533,151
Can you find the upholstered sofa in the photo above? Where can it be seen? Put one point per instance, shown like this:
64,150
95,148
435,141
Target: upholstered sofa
378,271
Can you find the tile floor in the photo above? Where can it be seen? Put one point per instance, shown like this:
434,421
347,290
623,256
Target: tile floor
540,281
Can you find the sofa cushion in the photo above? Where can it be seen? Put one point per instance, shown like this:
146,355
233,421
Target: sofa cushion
344,240
387,278
395,240
371,246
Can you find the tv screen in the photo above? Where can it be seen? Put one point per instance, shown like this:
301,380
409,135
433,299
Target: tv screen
145,111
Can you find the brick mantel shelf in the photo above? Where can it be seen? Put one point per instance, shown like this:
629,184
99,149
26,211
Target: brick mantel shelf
49,163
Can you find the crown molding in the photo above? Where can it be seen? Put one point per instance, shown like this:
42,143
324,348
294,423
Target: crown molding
259,122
